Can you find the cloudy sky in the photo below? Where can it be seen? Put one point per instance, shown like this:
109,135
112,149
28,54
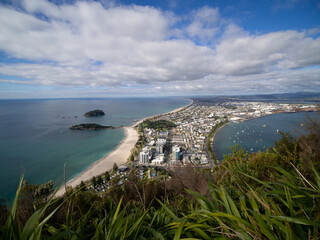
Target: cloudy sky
158,47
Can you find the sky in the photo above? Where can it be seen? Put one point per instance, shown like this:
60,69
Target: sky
143,48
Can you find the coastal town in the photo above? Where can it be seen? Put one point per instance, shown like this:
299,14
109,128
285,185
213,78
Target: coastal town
165,142
187,141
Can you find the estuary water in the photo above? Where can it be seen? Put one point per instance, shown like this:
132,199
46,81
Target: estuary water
259,134
35,138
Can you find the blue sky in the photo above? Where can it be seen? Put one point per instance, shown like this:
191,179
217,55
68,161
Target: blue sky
158,48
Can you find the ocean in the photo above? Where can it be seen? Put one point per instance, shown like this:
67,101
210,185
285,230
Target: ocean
35,139
259,134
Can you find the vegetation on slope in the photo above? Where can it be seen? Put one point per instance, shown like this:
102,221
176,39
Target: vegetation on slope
158,125
265,195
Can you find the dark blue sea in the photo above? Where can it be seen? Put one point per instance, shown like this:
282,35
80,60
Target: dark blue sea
259,134
35,138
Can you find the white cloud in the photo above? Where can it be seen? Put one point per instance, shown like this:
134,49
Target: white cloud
263,53
233,31
273,82
145,49
205,24
286,4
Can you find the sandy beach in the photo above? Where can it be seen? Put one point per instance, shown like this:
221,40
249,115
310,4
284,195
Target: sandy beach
173,111
120,156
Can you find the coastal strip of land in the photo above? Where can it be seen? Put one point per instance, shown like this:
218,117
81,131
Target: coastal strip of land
212,140
119,156
159,115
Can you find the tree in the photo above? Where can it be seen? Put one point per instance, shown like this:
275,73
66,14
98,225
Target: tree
28,190
99,180
159,124
107,176
44,190
94,181
115,167
82,186
286,144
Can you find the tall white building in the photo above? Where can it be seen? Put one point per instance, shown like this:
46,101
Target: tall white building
144,157
160,143
147,149
145,154
176,152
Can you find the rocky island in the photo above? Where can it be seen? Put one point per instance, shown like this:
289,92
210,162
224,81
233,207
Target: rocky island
94,113
90,126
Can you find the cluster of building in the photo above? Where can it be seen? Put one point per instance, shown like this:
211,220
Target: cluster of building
153,153
186,143
240,111
122,175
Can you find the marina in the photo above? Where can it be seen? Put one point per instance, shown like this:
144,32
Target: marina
259,134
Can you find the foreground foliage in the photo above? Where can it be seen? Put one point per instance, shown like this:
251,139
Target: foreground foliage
265,195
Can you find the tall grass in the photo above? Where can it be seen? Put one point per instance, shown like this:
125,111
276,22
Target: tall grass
287,209
33,229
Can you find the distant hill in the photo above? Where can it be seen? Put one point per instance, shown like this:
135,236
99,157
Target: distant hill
300,97
285,96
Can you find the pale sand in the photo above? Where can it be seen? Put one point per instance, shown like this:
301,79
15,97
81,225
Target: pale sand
120,156
174,111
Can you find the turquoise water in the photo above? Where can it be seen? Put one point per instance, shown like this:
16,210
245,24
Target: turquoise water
35,138
260,133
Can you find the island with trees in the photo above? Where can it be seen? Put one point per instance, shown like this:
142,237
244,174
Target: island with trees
90,126
94,113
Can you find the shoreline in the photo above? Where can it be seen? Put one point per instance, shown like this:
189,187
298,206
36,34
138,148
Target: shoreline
135,124
244,120
213,137
119,155
239,121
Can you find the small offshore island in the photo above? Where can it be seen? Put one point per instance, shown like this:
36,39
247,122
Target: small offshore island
90,126
94,113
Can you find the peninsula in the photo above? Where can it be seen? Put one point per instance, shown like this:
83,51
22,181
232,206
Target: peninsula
186,136
94,113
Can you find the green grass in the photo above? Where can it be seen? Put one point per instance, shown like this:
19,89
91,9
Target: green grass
286,209
270,195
